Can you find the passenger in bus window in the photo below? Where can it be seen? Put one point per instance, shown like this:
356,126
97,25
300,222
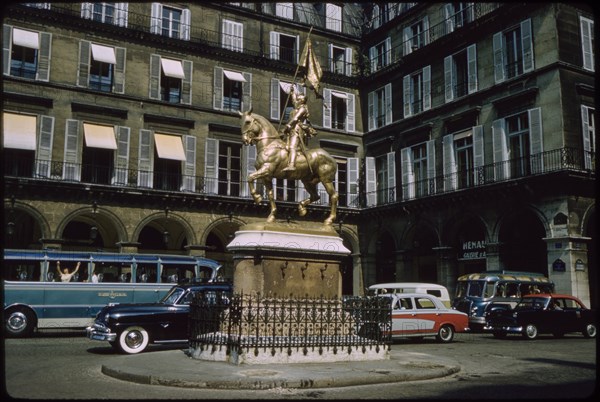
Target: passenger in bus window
65,276
94,277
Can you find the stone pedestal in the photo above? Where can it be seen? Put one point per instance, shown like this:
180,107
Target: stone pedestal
287,260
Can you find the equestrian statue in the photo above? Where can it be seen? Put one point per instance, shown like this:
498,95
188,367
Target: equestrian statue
289,159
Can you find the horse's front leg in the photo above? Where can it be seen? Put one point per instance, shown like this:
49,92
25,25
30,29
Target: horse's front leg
252,178
271,196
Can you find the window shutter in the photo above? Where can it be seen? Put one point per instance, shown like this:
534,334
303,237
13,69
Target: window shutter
119,83
472,68
408,177
247,167
448,79
391,184
449,163
371,181
120,174
448,17
122,14
427,88
586,43
388,104
227,32
536,140
349,61
43,157
186,16
189,175
372,111
406,92
388,51
431,188
247,92
297,48
84,63
71,166
327,108
211,166
86,10
352,188
527,45
145,176
275,112
6,47
478,156
218,89
238,38
43,71
373,57
407,37
425,30
156,19
274,52
186,83
350,115
301,194
587,141
154,92
498,43
323,193
501,164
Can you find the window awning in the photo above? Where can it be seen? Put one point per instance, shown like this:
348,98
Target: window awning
285,86
172,68
169,147
234,76
19,131
462,135
97,136
104,54
26,38
339,95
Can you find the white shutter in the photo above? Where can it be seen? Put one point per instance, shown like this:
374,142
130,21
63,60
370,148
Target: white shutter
327,108
6,48
119,81
449,163
211,166
478,155
501,168
189,175
388,103
71,165
406,36
350,115
431,173
274,48
527,45
426,31
121,15
449,17
156,19
218,89
587,141
186,17
121,172
84,63
373,57
186,82
408,176
43,157
247,167
406,92
536,140
275,112
388,51
449,78
43,71
86,10
349,61
498,43
154,90
472,68
586,43
427,88
352,189
246,92
371,181
391,169
145,174
372,111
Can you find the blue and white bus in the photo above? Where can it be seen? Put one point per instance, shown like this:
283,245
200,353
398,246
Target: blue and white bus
35,296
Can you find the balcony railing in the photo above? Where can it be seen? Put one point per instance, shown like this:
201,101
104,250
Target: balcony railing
546,162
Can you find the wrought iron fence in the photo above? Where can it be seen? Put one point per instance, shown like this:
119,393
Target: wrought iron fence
258,324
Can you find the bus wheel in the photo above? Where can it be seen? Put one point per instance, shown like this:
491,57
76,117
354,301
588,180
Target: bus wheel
445,334
530,331
133,340
19,322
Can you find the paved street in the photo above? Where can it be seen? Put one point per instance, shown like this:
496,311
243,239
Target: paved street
67,366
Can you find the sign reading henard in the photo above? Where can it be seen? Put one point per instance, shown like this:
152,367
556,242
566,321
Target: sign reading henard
472,250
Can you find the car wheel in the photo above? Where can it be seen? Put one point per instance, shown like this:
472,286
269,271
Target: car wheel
445,334
19,322
499,334
133,340
589,331
530,331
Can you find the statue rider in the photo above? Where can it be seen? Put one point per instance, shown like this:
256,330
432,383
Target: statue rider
297,128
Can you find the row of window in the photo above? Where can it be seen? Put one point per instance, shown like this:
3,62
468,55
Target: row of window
101,154
512,55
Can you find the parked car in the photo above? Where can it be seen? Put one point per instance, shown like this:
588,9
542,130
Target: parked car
130,328
433,289
416,315
555,314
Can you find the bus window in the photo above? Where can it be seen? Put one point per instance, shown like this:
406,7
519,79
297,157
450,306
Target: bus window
488,291
461,289
175,274
475,288
22,270
512,290
501,289
146,272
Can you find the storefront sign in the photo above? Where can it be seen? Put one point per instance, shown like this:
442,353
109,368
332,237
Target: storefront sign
472,250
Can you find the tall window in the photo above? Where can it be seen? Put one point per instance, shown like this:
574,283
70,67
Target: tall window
587,43
29,53
380,107
285,10
170,21
419,162
517,131
380,54
417,92
382,180
285,190
170,80
338,110
23,61
229,170
416,35
418,170
464,160
333,17
101,68
107,13
232,90
232,94
103,12
513,51
460,73
588,118
340,60
233,36
284,47
457,14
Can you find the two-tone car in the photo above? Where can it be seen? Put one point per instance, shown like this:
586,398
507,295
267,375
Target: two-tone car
130,328
536,314
418,315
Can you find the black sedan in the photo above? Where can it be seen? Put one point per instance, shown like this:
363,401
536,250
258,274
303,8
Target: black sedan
554,314
130,328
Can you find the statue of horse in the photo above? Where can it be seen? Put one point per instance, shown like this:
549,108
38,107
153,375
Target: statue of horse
313,166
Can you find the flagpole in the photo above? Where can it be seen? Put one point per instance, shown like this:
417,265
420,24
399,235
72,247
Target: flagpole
293,81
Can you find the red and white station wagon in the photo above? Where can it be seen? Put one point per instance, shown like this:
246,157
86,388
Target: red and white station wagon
419,315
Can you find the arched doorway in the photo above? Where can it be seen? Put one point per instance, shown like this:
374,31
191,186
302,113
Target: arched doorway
22,230
522,247
424,258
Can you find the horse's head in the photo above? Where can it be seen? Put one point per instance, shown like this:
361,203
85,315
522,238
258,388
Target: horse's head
250,127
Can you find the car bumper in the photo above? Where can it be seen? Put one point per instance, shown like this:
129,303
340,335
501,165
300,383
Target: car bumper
506,329
100,333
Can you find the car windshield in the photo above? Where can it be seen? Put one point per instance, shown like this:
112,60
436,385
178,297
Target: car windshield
534,303
173,295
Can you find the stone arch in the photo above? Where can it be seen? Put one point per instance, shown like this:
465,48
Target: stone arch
350,265
467,236
110,229
161,232
30,225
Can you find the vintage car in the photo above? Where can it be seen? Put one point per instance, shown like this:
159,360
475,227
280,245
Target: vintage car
416,315
130,328
555,314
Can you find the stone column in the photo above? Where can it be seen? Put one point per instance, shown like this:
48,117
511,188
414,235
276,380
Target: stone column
446,267
492,260
404,266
